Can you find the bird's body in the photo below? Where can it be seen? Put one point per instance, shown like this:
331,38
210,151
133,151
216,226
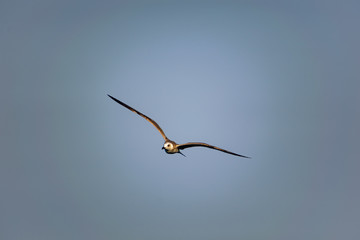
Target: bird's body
170,146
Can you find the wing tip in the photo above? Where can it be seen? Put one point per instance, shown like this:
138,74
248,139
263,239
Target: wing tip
116,100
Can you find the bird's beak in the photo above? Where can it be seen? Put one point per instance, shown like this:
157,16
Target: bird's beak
162,148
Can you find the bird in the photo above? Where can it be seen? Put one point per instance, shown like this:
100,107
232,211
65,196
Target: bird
170,146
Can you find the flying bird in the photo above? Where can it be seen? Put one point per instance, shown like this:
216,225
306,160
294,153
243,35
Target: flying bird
170,146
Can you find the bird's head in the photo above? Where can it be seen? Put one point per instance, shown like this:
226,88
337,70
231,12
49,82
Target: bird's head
168,146
171,147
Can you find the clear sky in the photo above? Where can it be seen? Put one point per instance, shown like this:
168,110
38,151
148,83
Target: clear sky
275,80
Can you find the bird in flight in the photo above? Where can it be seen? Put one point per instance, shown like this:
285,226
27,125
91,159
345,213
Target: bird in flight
169,146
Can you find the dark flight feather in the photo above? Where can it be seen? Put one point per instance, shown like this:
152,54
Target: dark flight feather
200,144
143,115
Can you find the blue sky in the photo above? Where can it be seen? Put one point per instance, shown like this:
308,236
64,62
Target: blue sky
275,81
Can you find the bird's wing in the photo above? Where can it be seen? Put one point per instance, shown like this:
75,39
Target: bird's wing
144,116
199,144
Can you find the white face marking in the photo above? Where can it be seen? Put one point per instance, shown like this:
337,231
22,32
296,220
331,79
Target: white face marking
168,146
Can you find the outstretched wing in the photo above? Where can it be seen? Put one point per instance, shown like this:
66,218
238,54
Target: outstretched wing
144,116
199,144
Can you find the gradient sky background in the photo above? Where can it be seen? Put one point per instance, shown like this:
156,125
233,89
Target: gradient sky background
274,80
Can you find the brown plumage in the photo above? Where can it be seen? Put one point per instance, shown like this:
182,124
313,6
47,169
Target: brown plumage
169,146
